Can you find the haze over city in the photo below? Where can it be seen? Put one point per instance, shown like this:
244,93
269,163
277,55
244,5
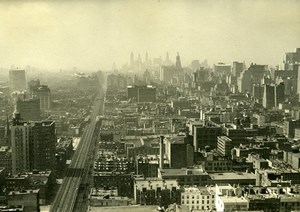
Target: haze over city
92,35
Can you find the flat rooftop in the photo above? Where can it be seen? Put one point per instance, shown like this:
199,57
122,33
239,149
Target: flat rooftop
234,200
134,208
181,172
232,176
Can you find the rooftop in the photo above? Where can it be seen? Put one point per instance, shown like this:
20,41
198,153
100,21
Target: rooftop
24,192
232,176
154,183
132,208
183,171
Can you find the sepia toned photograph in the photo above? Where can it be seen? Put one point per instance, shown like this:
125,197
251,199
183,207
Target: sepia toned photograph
149,105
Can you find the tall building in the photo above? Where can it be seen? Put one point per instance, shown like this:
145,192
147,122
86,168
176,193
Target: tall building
30,109
32,85
289,127
269,94
17,80
273,95
292,58
43,92
237,68
279,93
167,61
258,91
298,81
131,60
20,144
253,75
43,140
178,62
32,144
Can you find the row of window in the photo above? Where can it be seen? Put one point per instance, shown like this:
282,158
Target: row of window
197,196
196,202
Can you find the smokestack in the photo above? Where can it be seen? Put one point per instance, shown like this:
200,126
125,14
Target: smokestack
161,152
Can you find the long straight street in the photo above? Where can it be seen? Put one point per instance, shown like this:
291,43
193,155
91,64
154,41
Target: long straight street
66,196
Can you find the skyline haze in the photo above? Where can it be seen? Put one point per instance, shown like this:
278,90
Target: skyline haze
92,35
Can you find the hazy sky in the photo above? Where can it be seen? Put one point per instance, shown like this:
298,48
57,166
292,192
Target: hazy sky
94,34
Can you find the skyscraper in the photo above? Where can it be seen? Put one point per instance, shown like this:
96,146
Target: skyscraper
273,95
20,141
43,141
292,58
131,60
32,144
30,109
178,62
298,81
279,93
44,94
17,80
237,68
167,61
269,94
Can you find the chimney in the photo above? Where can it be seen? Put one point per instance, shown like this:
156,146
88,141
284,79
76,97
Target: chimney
161,152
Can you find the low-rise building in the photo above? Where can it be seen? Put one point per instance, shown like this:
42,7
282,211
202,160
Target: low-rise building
122,181
225,178
28,198
184,176
229,198
198,198
107,197
153,191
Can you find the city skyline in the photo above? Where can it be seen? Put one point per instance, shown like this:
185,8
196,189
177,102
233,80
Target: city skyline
93,35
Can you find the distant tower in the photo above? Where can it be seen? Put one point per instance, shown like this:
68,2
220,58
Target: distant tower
167,61
17,80
43,92
178,63
146,57
131,59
